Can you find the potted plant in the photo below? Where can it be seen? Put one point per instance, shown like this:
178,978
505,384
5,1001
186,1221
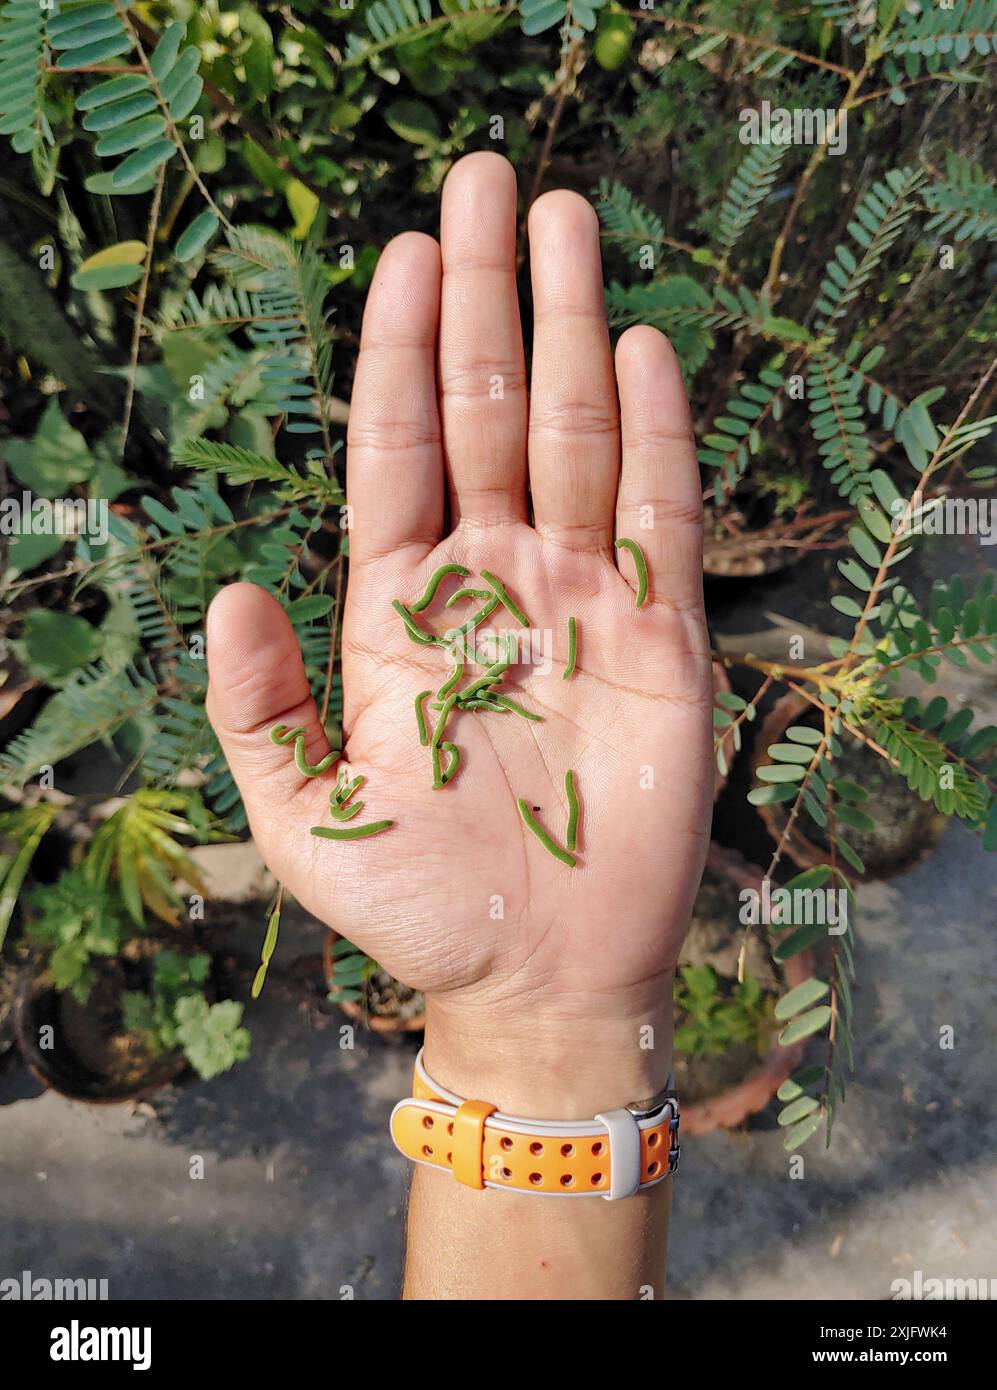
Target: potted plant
117,998
366,993
729,1062
117,1022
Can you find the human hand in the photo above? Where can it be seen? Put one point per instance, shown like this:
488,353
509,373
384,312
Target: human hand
528,965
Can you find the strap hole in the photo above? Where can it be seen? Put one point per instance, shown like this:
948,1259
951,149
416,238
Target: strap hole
652,1168
450,1128
506,1144
536,1179
567,1180
536,1150
597,1147
427,1122
427,1151
652,1139
505,1173
596,1179
450,1158
567,1150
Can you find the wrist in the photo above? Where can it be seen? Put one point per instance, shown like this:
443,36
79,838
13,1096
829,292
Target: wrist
549,1061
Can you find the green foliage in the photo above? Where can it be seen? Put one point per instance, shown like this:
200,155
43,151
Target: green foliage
838,426
76,920
879,220
98,909
54,645
748,189
136,116
736,435
211,1035
289,285
175,1013
627,221
239,465
964,203
22,81
678,306
942,36
54,458
22,830
89,708
136,849
352,972
576,17
711,1019
398,23
730,711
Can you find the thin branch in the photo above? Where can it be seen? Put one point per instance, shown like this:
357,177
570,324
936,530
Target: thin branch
671,23
816,160
150,239
565,83
331,662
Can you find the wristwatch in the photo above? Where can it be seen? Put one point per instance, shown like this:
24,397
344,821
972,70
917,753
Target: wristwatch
613,1155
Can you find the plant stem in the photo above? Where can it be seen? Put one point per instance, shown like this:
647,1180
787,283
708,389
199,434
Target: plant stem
816,160
143,290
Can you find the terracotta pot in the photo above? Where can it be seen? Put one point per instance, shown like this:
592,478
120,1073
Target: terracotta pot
745,557
731,1107
377,1023
66,1067
927,826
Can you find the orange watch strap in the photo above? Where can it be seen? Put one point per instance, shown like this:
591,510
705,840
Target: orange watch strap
485,1148
468,1142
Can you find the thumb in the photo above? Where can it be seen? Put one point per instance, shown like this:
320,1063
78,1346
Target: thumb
256,679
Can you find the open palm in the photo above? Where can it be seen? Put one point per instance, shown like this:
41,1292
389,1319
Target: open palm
458,898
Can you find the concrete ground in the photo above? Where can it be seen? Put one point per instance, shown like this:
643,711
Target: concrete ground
303,1193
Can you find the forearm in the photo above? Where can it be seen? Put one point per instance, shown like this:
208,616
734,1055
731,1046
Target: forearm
489,1244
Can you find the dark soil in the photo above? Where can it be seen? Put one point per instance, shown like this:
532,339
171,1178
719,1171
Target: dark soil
709,1074
387,998
95,1034
716,934
94,1058
906,826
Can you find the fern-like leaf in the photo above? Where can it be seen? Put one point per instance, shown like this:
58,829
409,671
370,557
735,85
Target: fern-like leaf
88,709
837,423
925,763
23,26
290,285
626,220
879,219
391,23
942,36
135,115
243,466
964,203
736,431
748,189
